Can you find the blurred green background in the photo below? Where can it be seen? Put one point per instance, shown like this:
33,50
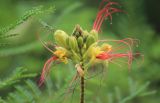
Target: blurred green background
22,56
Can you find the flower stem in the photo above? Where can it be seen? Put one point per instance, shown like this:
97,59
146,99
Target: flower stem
82,90
82,80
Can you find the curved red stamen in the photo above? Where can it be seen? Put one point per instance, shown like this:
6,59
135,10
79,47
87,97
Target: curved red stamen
111,56
129,42
46,69
122,48
105,12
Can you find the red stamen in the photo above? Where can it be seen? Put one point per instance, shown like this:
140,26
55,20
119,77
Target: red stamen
119,41
110,56
46,69
102,3
105,12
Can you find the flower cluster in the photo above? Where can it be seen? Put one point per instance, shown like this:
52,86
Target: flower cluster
85,49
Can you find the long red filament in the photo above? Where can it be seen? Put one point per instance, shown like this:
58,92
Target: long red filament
111,56
104,12
46,69
124,44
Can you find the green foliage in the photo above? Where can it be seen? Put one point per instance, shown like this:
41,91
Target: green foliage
3,31
18,75
134,92
7,36
19,49
2,101
29,93
35,11
33,44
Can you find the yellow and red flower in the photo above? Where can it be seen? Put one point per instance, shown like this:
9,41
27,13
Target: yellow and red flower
84,47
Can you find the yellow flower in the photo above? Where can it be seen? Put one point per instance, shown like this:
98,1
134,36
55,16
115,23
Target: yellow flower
106,47
95,50
61,53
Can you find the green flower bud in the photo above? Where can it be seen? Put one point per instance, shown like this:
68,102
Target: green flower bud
67,42
80,42
90,40
88,53
75,56
85,35
95,34
77,31
60,38
73,43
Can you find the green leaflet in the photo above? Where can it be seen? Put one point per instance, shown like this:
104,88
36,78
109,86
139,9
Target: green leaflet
19,74
35,11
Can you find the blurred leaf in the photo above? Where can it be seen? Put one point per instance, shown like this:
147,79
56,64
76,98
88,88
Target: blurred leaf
35,11
19,74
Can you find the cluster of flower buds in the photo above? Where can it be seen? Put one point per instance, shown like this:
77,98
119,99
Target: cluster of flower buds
75,46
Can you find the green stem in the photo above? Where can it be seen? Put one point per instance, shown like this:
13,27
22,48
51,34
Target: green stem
82,84
82,90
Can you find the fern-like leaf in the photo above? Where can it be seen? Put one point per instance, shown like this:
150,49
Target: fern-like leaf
16,76
35,11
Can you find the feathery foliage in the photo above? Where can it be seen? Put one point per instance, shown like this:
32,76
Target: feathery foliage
135,91
18,75
35,11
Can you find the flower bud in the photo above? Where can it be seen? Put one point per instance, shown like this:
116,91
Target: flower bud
80,42
94,33
85,33
73,43
61,37
88,53
90,40
77,31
